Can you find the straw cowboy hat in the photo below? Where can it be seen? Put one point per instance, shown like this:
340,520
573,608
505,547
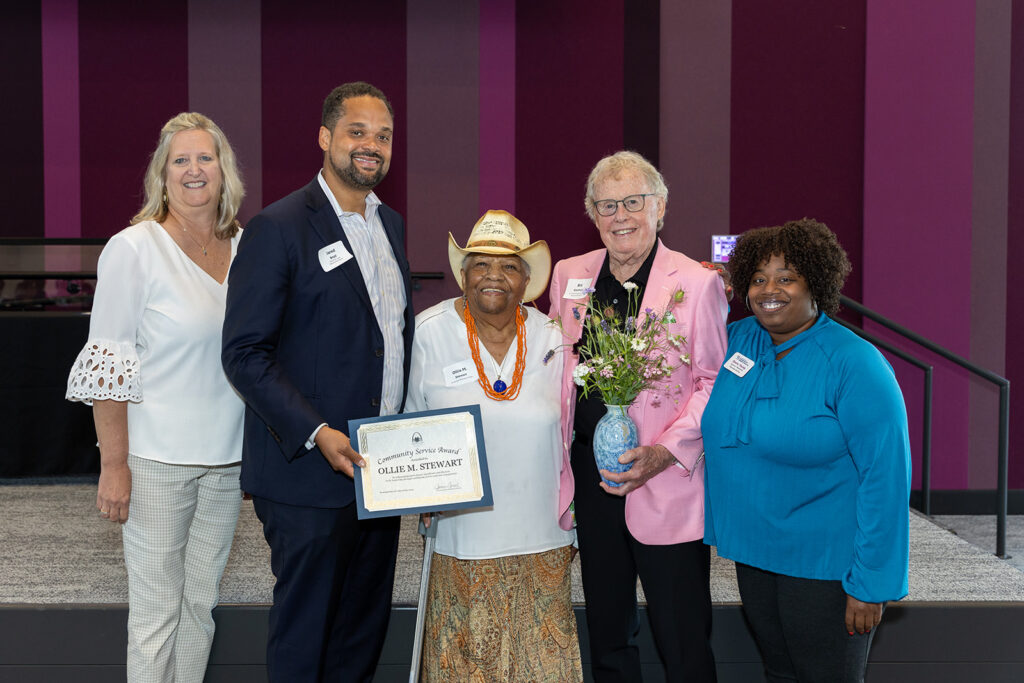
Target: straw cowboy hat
499,233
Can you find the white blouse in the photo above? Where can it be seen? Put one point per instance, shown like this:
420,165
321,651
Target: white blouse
522,437
156,321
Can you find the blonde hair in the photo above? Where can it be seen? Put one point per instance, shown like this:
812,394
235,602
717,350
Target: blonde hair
154,208
625,163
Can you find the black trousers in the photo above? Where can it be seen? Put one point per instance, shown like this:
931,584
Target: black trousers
332,597
676,581
799,626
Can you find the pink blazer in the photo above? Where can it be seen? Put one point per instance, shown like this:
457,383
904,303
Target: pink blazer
669,508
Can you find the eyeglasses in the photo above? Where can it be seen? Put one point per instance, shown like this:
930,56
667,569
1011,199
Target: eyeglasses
632,203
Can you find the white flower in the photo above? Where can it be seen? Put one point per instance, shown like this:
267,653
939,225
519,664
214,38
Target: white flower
685,358
675,340
638,344
630,286
669,318
579,372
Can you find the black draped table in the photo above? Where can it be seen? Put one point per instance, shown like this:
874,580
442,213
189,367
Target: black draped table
43,434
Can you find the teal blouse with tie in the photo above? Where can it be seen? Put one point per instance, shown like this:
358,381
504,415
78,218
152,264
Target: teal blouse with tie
808,460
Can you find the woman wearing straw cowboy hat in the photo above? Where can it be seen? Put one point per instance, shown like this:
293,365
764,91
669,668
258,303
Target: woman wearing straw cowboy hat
498,604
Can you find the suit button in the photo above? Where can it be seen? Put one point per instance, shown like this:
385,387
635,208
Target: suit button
375,402
380,353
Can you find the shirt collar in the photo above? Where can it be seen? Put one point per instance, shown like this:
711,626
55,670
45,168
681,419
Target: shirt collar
640,277
372,201
764,381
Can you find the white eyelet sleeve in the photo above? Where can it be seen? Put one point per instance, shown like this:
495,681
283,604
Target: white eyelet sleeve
108,366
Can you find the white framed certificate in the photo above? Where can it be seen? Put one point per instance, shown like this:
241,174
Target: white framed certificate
420,462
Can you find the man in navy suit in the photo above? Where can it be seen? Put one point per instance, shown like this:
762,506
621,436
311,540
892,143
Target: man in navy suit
317,331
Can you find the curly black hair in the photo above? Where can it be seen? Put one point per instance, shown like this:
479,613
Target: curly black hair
808,246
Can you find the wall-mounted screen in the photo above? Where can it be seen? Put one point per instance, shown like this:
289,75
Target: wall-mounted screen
721,247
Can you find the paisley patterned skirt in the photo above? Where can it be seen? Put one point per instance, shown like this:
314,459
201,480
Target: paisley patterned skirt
503,619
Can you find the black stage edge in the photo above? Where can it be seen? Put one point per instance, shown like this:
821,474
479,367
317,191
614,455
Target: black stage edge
918,643
969,502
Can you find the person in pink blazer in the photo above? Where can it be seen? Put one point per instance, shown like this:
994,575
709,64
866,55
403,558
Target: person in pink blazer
652,525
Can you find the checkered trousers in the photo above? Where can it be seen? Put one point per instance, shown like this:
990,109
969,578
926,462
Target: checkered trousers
181,522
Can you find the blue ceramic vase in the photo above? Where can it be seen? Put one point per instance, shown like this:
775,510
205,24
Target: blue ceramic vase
614,435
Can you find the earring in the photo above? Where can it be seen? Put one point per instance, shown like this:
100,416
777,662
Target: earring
165,197
746,300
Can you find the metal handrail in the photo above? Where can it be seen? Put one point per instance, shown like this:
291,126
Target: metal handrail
1003,464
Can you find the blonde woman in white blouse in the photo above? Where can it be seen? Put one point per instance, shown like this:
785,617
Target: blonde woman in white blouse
169,424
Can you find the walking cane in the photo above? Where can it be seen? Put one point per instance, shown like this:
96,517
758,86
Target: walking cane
430,537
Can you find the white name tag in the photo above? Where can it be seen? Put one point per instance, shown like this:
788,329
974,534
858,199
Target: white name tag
333,255
576,288
739,364
459,373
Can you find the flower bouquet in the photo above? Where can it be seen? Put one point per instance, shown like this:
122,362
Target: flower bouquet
619,358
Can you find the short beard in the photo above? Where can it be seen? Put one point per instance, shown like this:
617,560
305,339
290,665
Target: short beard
353,178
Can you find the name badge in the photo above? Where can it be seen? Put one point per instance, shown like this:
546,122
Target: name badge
739,364
459,373
576,288
333,255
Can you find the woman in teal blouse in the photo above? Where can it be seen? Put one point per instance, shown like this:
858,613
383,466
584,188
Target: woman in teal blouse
808,461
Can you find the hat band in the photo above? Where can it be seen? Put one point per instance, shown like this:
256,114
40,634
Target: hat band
493,243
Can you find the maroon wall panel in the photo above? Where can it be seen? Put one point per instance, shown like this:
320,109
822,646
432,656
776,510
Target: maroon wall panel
308,49
642,77
1015,247
133,71
798,118
569,113
21,72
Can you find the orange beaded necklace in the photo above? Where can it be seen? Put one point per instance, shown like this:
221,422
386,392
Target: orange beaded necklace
499,392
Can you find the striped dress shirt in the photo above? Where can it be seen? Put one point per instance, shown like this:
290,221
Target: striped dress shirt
384,283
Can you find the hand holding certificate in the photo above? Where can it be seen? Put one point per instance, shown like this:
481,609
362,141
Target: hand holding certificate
421,462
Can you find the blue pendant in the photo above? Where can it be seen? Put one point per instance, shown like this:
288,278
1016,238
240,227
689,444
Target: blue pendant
500,386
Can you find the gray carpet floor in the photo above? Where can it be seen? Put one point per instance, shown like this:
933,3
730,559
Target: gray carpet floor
54,548
980,530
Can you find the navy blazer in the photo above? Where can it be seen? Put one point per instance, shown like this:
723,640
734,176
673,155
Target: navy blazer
302,346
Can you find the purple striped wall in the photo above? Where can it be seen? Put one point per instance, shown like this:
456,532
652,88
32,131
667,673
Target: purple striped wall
21,193
444,124
641,80
918,131
497,106
988,323
569,113
797,117
61,151
696,77
890,121
308,49
224,82
133,69
1015,246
